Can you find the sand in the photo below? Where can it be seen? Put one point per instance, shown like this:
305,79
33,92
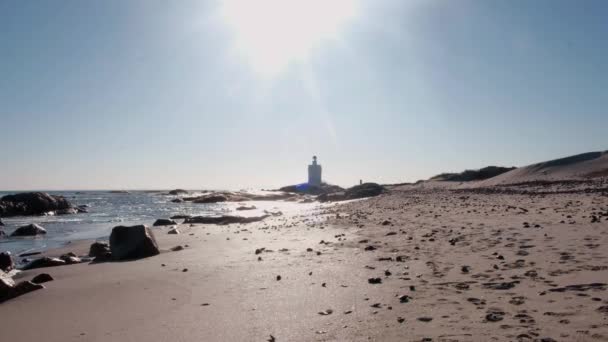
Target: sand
518,283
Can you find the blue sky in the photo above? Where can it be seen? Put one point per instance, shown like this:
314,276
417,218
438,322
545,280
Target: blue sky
157,94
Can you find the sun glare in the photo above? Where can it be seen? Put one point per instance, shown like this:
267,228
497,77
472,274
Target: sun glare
271,34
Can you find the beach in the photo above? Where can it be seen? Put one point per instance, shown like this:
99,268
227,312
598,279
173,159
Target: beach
414,264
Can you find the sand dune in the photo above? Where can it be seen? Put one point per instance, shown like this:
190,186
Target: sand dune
580,166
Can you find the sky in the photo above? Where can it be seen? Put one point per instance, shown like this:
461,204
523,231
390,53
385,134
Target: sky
147,94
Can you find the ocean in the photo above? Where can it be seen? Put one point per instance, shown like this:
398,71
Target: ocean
107,210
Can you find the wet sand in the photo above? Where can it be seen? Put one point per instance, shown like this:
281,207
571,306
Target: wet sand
410,265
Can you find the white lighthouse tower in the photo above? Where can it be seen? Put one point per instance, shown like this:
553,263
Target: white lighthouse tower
314,173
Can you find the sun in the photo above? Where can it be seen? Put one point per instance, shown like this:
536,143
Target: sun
272,34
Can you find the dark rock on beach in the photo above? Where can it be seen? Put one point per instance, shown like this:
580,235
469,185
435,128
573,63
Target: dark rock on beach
70,258
42,278
132,242
176,217
44,262
9,290
32,203
29,230
6,261
99,249
164,222
224,219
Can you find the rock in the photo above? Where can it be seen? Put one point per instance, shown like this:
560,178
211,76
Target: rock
42,278
29,230
2,234
70,259
132,242
173,231
6,286
178,192
164,222
1,223
9,290
32,203
374,280
68,211
6,262
177,200
25,287
99,249
176,217
44,262
244,207
224,219
364,190
177,248
82,208
211,199
332,197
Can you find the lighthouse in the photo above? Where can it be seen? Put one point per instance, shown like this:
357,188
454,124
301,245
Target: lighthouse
314,173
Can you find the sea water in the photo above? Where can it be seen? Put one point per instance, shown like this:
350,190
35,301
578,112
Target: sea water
105,211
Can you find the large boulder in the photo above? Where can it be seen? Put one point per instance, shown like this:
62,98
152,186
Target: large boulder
29,230
44,262
32,203
227,219
99,249
132,242
164,222
6,261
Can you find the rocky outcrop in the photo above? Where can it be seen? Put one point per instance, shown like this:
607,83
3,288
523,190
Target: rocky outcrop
32,203
177,200
132,242
312,189
164,222
44,262
222,220
364,190
29,230
177,217
359,191
9,290
226,196
6,262
178,192
99,250
210,199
